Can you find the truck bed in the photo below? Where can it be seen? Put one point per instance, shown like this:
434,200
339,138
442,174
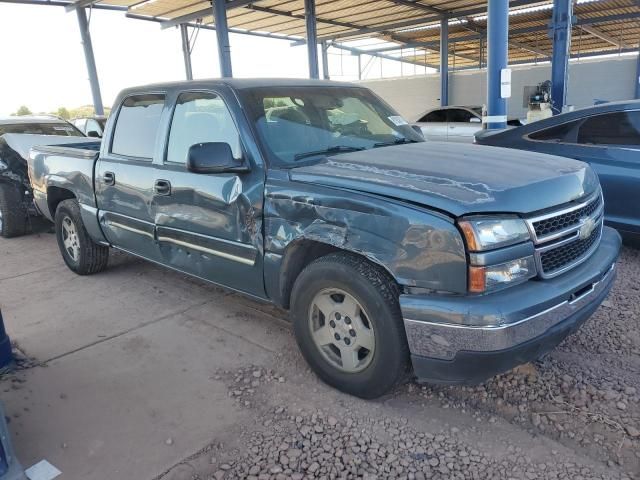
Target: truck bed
68,166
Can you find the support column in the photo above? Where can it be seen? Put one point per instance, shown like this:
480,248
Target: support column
561,21
90,61
325,60
638,76
312,37
360,66
444,62
497,58
481,48
186,51
222,34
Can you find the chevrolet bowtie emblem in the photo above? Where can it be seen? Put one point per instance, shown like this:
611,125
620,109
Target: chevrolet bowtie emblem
588,225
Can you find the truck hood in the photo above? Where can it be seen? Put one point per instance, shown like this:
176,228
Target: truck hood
456,178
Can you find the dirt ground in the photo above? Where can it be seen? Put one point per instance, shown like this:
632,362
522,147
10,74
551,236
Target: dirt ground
149,374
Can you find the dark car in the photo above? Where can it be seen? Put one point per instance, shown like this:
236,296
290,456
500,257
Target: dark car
17,135
606,136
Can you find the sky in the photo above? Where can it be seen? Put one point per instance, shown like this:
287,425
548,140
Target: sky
43,63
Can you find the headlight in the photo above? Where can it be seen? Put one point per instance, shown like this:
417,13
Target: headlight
3,166
486,233
493,277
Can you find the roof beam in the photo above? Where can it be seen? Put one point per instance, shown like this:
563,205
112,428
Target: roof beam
205,12
604,36
79,4
358,51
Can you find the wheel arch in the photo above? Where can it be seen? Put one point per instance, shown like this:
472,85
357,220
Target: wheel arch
303,251
55,195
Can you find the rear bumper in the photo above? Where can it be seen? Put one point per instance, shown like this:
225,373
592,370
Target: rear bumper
469,339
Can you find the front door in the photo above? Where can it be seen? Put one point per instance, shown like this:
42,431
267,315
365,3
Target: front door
462,125
209,225
434,125
125,174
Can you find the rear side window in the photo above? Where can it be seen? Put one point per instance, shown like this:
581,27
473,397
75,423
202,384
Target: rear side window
459,116
200,118
137,126
558,133
61,129
619,128
435,116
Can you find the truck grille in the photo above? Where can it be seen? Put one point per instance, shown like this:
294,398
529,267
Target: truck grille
556,259
555,224
566,238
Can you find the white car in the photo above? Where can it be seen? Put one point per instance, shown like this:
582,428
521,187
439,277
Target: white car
455,123
451,124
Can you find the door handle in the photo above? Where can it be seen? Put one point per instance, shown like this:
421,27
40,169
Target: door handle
109,178
162,187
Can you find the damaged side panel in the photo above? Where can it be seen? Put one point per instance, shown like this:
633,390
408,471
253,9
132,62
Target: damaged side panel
419,248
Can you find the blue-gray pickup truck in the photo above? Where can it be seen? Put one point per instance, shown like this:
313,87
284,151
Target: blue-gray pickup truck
393,255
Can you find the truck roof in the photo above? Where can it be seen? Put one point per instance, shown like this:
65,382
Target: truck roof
238,84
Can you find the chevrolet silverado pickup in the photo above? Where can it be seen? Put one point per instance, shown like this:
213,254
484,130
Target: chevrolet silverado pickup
392,255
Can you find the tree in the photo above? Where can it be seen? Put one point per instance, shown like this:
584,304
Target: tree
63,113
22,111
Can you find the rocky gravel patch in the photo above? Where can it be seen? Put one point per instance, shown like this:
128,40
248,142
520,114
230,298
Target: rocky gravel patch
581,402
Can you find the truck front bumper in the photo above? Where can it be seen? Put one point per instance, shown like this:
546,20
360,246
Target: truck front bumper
465,340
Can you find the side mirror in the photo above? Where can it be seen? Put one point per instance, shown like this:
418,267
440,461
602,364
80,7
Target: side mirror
417,129
213,157
475,120
93,134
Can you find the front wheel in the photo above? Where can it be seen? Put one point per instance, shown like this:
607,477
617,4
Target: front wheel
348,324
79,251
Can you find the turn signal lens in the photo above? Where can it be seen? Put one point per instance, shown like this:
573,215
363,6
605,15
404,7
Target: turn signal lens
494,277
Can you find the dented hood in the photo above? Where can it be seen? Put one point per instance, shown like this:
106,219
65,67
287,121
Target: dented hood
456,178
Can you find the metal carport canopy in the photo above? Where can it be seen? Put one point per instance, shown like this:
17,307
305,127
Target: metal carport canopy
411,29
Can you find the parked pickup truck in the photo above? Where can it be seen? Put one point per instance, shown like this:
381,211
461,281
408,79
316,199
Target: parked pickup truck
461,261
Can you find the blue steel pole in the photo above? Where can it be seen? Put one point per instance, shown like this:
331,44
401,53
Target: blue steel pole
90,61
497,57
312,37
186,51
222,34
444,62
325,60
561,21
638,76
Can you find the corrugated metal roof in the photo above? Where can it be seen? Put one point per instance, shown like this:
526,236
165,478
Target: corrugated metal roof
604,26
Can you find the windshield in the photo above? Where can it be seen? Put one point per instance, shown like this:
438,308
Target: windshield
310,123
63,129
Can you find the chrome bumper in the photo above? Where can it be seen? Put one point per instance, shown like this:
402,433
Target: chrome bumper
440,327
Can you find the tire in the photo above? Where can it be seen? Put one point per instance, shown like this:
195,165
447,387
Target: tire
334,282
81,254
13,214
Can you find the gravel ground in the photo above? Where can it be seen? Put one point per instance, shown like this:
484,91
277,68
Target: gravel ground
573,414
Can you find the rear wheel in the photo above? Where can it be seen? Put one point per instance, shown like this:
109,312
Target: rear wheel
13,214
79,251
348,324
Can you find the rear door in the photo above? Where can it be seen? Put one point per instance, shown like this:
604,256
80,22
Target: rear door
209,225
462,125
434,125
611,144
125,174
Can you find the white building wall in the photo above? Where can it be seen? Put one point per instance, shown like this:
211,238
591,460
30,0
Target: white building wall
589,79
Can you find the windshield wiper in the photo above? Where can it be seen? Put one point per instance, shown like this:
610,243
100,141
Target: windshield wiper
336,149
397,141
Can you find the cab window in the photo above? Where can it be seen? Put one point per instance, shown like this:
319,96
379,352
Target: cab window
200,118
137,126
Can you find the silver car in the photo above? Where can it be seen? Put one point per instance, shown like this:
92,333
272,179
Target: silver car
451,124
